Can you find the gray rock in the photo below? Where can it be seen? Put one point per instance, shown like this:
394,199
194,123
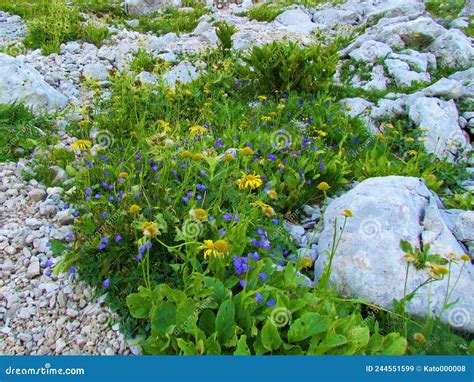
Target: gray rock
145,7
401,73
33,268
440,121
207,31
96,71
21,82
369,263
37,195
453,49
147,78
371,51
445,88
183,72
159,43
296,20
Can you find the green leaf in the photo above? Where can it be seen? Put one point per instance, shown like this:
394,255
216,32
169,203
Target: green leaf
212,346
138,305
225,320
207,321
163,318
242,348
394,344
186,315
270,336
308,325
187,347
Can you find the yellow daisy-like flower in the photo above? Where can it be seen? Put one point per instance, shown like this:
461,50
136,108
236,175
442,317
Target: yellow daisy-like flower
420,338
262,98
199,214
347,213
164,125
259,203
197,130
266,118
186,154
412,152
149,229
307,262
217,249
187,92
268,211
123,175
410,140
81,144
465,257
228,157
323,186
134,209
252,181
247,151
272,194
322,133
198,156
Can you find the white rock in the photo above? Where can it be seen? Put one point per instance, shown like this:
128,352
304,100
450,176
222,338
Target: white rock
21,82
445,88
296,20
183,72
371,51
402,74
369,263
34,267
453,49
440,119
96,71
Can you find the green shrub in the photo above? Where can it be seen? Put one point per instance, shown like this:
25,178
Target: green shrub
224,33
94,33
287,66
264,12
20,131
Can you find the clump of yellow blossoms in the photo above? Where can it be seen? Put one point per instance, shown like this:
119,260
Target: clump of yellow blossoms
247,151
252,181
197,130
164,125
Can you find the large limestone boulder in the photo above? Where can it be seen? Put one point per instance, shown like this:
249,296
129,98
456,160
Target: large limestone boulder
369,262
296,20
21,82
453,49
439,119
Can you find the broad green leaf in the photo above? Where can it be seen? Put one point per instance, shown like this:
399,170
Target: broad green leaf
138,305
225,320
163,318
186,315
207,321
187,347
270,336
308,325
212,346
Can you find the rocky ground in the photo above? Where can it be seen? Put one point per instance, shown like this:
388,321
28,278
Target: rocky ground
41,313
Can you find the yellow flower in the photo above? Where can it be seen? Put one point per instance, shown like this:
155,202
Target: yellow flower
217,249
418,337
251,181
205,90
197,130
347,213
422,139
81,144
187,92
380,136
170,92
228,157
259,203
412,152
83,122
186,154
247,151
266,118
272,194
465,257
321,133
268,211
323,186
198,156
149,229
307,262
410,140
198,214
164,125
134,209
244,123
123,175
262,98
